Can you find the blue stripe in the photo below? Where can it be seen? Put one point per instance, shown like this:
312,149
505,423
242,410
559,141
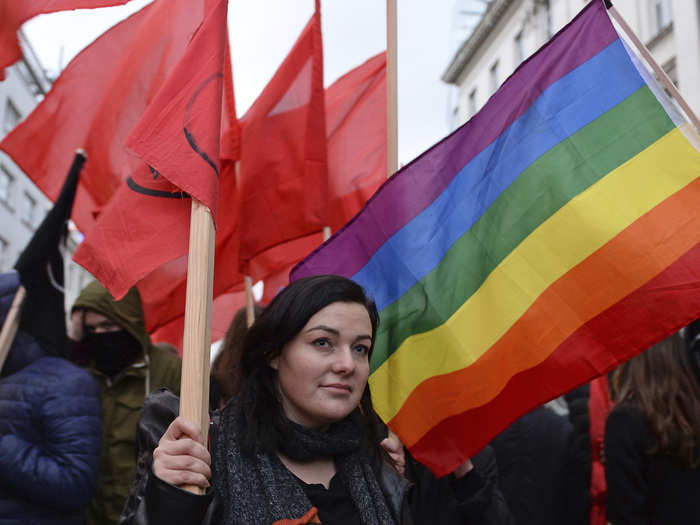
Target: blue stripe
568,105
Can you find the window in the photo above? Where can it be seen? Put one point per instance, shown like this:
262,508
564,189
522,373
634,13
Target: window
518,50
11,118
662,14
28,209
493,75
29,79
472,103
5,184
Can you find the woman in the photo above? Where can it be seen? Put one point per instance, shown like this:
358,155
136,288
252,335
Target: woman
652,439
300,443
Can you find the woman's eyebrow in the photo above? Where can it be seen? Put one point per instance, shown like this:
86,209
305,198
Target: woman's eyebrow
325,329
336,332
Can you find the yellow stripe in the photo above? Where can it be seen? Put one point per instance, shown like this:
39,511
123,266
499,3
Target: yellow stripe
573,233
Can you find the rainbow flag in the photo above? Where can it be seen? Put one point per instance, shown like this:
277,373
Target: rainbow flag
550,238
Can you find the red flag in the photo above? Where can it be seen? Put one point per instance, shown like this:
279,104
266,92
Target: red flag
283,152
97,101
179,137
230,127
356,142
180,133
163,290
224,307
14,13
356,132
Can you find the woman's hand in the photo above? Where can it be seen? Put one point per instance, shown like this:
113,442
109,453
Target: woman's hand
394,448
181,458
463,469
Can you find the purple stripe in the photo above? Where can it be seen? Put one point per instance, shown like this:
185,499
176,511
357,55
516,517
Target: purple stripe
412,189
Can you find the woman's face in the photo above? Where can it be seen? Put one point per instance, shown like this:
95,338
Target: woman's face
323,371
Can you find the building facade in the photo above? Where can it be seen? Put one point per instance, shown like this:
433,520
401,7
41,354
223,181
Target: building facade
511,30
22,205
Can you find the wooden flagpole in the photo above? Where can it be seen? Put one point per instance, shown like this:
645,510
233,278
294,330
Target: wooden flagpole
392,104
392,126
11,324
249,301
194,387
247,279
668,84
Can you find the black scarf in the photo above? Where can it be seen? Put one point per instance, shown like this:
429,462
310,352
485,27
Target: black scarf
258,488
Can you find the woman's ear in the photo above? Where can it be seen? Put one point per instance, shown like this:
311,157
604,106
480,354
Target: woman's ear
275,363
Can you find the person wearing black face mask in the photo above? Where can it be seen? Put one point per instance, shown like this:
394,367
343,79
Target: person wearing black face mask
110,340
112,350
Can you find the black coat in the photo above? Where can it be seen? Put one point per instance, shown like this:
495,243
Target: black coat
473,500
540,482
645,489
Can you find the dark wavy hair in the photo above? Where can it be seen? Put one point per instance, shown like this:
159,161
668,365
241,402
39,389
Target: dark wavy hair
279,323
661,383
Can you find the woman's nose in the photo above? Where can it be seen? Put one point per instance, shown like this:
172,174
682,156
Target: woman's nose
344,361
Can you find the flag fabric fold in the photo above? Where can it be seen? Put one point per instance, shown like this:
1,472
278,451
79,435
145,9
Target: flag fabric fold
96,102
178,139
283,174
14,13
356,135
547,240
40,267
179,134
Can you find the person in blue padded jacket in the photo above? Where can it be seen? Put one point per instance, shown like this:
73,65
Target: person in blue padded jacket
50,431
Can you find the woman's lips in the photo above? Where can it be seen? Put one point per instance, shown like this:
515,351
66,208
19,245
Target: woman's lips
338,387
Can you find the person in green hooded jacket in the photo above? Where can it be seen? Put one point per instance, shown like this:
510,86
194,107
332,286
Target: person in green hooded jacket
114,345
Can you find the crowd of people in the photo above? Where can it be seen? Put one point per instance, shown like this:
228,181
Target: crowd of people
94,436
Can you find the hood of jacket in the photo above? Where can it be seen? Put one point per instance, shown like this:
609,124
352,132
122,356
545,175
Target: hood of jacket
127,312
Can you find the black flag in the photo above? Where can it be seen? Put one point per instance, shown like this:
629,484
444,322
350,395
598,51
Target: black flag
40,268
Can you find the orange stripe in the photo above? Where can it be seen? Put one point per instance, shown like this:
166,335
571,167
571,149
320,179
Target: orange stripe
638,253
663,305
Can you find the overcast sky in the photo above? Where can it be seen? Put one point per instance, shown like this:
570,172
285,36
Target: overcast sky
263,31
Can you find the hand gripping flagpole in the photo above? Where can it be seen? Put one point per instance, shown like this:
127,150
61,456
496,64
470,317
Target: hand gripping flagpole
194,386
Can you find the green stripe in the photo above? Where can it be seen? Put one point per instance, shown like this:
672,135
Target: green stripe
543,188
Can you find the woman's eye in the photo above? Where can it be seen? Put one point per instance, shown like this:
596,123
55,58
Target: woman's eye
362,349
322,343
